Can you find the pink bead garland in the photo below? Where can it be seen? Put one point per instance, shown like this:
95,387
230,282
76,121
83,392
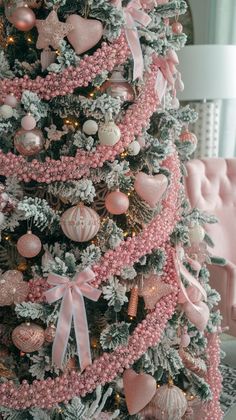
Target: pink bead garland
212,410
135,119
55,84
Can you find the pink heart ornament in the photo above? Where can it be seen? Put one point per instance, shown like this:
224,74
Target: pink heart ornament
198,314
86,33
139,390
150,188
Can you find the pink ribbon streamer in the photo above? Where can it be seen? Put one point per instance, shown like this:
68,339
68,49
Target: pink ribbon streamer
134,15
168,69
181,270
72,308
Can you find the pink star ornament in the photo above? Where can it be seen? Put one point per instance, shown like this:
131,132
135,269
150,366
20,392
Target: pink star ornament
51,31
153,290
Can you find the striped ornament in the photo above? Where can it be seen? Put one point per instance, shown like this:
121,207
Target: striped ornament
80,223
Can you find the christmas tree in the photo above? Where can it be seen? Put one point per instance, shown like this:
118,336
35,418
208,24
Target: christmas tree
105,305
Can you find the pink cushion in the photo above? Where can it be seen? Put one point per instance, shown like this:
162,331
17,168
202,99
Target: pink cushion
211,186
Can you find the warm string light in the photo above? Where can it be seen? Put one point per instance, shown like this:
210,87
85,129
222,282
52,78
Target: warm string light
10,40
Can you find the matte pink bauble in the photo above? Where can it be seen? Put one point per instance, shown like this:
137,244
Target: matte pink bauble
86,33
29,245
80,223
187,136
118,87
150,188
198,314
23,19
12,288
171,401
117,202
28,122
177,28
10,100
139,389
28,337
11,6
29,143
49,333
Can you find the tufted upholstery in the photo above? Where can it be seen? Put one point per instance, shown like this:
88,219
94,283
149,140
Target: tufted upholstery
211,186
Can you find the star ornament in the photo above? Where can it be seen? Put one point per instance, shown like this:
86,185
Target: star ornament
153,290
51,31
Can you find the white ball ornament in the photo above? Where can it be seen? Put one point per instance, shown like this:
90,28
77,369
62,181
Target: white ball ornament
6,111
196,234
109,134
134,148
90,127
80,223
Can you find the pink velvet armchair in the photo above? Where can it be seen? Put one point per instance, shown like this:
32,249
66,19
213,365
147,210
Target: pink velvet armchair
211,186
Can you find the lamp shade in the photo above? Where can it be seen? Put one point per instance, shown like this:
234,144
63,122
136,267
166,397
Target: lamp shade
208,72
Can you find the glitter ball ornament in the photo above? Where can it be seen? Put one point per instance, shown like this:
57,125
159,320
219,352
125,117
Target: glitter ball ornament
117,202
109,134
29,245
6,111
28,122
49,333
171,401
12,288
80,223
134,148
196,234
28,337
118,87
90,127
10,100
29,143
23,18
177,28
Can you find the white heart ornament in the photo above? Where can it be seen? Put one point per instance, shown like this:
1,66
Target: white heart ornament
86,33
150,188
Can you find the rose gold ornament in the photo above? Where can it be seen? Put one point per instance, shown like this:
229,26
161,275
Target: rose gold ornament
12,288
28,122
177,28
195,364
80,223
49,333
11,6
28,337
187,136
29,143
29,245
23,18
117,202
133,302
118,87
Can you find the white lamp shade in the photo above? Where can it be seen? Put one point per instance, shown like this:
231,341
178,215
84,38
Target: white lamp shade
208,72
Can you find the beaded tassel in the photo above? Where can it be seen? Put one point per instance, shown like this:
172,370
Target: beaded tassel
133,302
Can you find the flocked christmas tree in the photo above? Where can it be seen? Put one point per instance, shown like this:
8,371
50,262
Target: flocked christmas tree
105,303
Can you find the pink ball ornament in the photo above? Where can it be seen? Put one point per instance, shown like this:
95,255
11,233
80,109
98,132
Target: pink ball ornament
29,245
177,28
28,337
11,6
29,143
187,136
10,100
50,333
28,122
118,87
80,223
23,18
117,202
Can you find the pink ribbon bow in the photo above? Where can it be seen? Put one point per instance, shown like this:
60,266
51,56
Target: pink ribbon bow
134,15
72,307
181,270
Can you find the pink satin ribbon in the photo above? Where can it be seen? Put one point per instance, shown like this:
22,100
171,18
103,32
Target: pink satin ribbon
164,75
181,270
72,307
134,14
